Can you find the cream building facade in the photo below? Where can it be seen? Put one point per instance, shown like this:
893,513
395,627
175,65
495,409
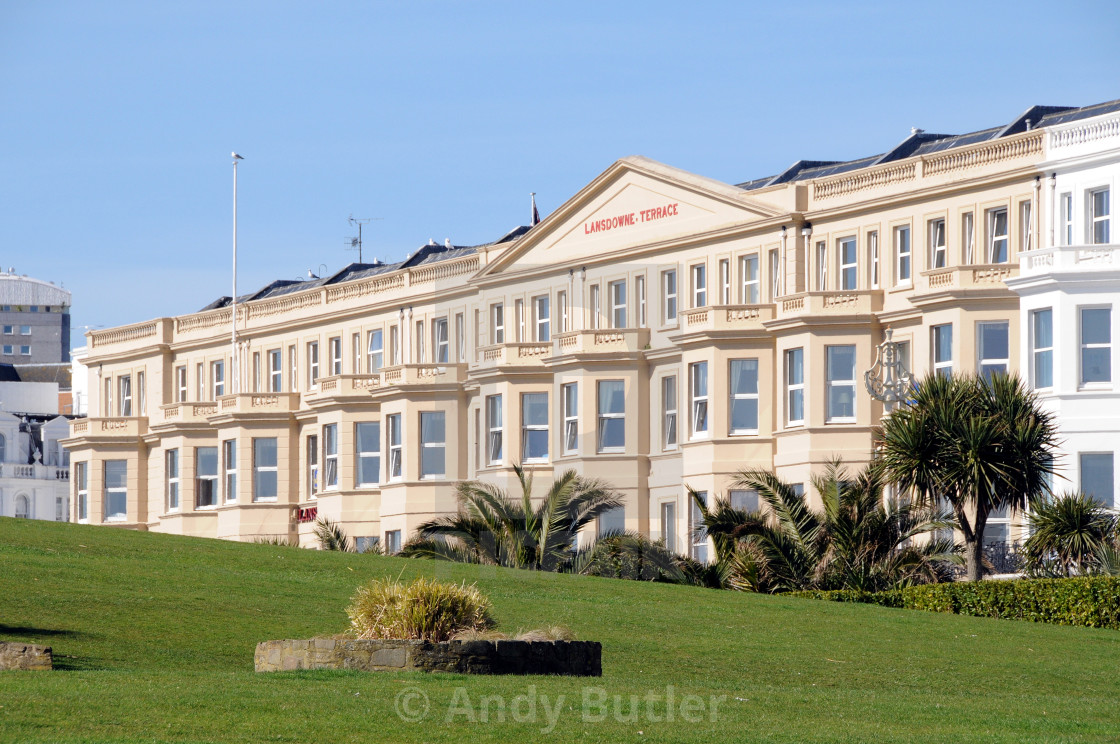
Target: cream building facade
658,329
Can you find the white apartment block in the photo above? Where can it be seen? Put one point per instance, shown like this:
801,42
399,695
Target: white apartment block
1069,292
659,329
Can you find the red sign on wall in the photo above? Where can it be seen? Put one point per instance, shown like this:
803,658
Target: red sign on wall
630,219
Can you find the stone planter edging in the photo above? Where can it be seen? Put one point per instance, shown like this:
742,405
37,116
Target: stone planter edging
571,658
29,657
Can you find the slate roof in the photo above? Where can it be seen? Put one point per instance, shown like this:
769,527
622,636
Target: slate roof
425,254
925,143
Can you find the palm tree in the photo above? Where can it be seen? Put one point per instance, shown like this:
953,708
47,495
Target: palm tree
496,528
980,444
858,540
628,555
1070,534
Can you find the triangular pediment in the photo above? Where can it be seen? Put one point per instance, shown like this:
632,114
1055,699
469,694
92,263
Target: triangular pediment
636,202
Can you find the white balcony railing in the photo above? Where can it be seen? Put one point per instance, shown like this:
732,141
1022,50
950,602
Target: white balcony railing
1070,258
34,471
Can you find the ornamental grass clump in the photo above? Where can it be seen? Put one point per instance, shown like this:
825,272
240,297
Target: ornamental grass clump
422,609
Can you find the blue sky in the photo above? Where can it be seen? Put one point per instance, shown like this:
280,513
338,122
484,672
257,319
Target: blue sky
439,118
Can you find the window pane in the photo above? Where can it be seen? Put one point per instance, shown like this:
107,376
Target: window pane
613,520
207,461
116,473
265,452
1096,325
612,397
1097,477
744,376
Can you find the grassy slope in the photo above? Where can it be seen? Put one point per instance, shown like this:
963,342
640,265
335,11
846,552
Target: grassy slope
156,634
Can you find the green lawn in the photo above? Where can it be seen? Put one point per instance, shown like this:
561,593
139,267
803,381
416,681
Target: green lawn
153,638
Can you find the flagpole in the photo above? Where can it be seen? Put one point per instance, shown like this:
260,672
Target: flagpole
234,379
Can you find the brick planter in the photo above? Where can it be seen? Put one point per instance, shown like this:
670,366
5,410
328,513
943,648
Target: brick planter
571,658
25,656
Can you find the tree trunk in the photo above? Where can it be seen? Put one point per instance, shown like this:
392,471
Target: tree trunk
974,557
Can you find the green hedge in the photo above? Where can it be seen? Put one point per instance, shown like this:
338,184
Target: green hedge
1092,602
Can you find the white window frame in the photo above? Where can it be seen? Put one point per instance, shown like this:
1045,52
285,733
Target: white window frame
261,471
604,416
775,275
498,322
217,378
124,383
441,341
822,266
420,344
1065,219
617,293
938,246
1098,219
208,478
293,368
256,371
330,457
981,360
334,343
943,367
396,453
395,344
460,338
542,319
669,296
429,447
81,491
171,465
698,276
669,419
1026,226
724,272
794,388
529,428
494,431
1084,346
569,395
595,305
698,544
750,282
836,385
115,492
562,306
903,256
873,253
312,466
375,351
356,353
668,513
363,454
275,371
228,465
640,291
1042,352
742,395
849,270
312,365
998,244
968,237
699,414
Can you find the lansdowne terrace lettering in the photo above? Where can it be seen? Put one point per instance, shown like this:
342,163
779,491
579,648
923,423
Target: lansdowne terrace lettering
630,219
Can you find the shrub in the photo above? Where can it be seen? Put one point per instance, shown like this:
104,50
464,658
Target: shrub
891,598
423,609
1092,602
331,536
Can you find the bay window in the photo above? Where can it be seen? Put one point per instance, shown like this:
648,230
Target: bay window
570,395
494,429
795,386
116,491
330,456
1096,344
205,476
265,469
994,355
367,436
1042,348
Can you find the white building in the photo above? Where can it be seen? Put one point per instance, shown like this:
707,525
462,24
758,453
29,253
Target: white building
1069,292
34,468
